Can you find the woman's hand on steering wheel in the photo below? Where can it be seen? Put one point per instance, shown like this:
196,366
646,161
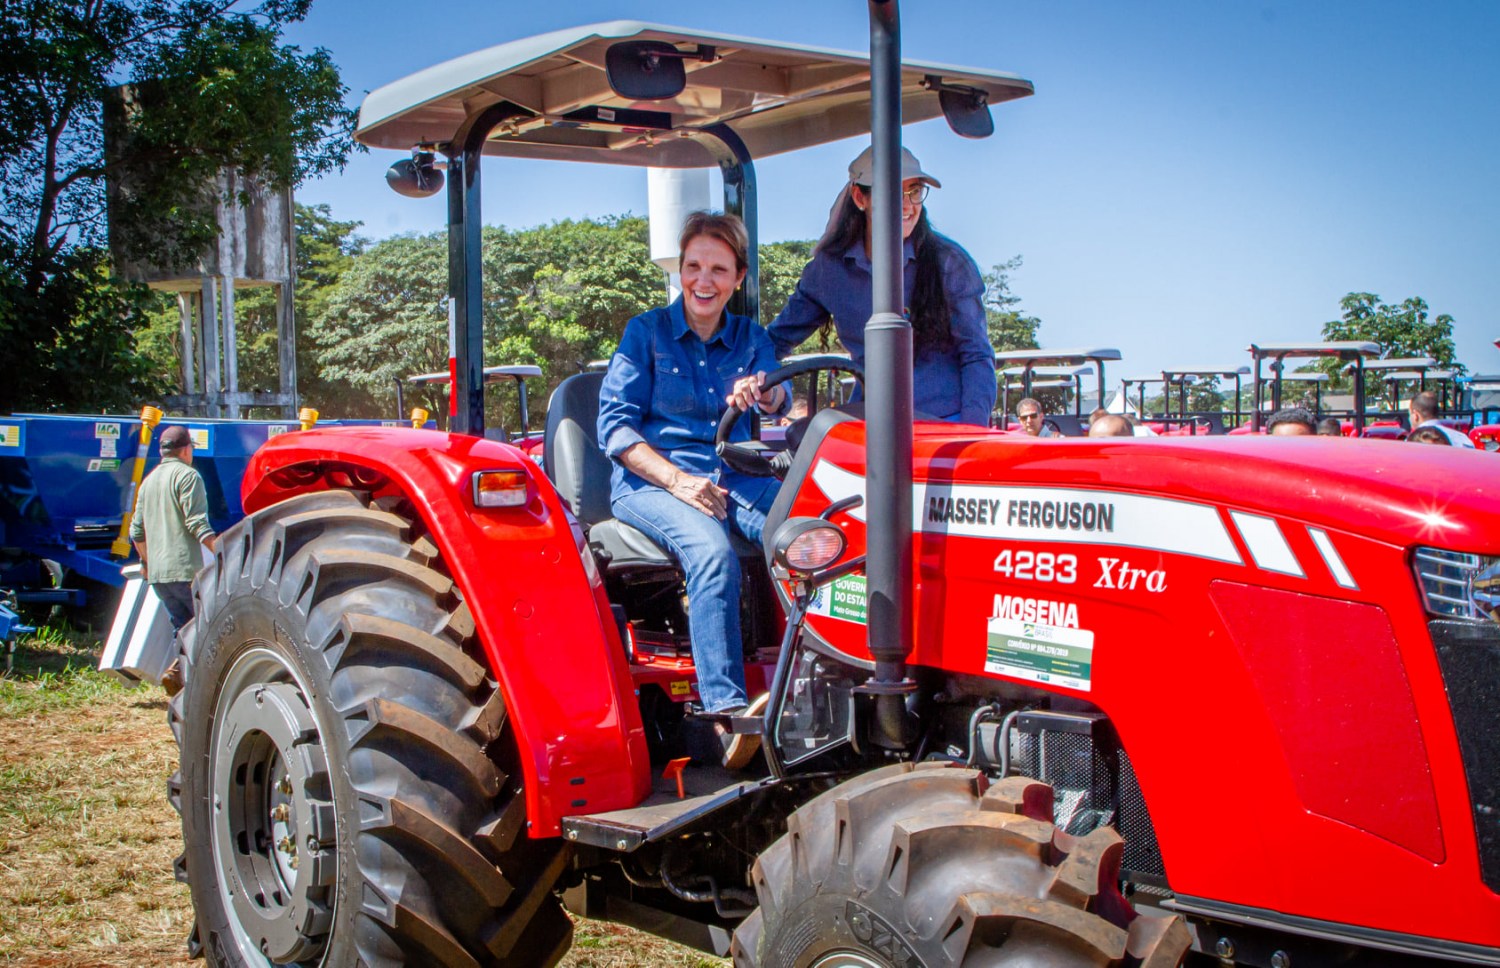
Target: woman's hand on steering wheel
752,458
750,391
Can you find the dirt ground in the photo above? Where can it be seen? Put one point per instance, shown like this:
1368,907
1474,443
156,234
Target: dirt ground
87,837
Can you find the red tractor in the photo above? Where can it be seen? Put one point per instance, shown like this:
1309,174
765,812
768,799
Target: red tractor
1032,702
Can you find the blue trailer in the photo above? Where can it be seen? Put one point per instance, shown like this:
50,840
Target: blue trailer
65,488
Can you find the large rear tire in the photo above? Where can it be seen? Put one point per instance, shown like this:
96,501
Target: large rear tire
348,787
931,866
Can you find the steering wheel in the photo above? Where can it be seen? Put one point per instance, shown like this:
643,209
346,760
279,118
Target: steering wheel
752,457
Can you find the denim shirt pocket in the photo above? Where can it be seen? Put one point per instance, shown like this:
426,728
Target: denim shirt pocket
673,386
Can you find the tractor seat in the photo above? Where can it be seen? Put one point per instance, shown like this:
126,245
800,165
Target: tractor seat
580,470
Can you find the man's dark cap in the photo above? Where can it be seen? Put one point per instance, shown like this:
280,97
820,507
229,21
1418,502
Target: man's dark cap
174,439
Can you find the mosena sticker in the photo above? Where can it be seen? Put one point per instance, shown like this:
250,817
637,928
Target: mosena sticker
1049,654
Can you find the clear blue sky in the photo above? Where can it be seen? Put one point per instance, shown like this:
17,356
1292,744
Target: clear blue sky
1190,176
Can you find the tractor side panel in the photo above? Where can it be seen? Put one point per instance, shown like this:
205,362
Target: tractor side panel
1268,669
539,608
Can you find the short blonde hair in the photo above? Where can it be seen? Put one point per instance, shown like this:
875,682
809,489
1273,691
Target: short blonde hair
716,225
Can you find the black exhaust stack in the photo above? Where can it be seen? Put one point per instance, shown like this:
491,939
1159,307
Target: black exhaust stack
888,391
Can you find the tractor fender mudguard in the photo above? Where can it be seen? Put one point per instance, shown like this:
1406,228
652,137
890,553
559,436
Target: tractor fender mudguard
538,605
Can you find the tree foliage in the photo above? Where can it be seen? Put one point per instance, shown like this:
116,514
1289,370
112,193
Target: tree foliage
1401,330
210,86
556,296
1009,328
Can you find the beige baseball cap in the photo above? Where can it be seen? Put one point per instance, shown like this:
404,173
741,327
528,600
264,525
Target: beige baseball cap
862,169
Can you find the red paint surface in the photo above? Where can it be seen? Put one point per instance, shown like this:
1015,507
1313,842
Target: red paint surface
546,628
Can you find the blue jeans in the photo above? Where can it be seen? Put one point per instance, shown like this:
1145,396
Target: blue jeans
177,598
700,544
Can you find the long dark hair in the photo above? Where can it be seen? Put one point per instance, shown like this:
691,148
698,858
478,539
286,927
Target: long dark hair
930,315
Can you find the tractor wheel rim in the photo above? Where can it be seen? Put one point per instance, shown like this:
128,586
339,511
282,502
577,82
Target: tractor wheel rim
846,958
274,843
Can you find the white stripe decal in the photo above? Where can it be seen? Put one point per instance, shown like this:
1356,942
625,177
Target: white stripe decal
1067,515
1266,544
1331,558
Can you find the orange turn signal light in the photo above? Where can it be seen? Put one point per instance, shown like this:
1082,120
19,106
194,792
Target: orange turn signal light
500,489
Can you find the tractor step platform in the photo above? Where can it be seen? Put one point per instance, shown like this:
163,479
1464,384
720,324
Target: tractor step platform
705,790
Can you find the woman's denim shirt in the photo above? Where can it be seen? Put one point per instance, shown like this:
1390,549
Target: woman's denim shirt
666,387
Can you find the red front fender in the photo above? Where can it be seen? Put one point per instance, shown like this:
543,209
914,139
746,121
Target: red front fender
540,612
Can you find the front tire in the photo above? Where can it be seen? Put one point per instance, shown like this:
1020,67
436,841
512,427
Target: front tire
931,867
348,788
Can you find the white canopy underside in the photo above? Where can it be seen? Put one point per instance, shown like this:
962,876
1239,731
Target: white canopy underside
777,97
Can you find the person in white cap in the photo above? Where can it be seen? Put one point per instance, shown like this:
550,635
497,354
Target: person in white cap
953,359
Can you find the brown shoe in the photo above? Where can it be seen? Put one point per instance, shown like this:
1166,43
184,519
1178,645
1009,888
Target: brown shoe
740,748
171,680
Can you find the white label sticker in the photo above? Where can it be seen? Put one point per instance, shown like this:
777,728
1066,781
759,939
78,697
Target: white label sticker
200,437
1040,653
10,435
275,430
107,447
107,430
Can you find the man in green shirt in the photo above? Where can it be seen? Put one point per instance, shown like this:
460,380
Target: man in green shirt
171,520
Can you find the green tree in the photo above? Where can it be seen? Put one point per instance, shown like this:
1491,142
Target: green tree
559,295
385,319
556,296
1401,330
210,86
1009,328
781,265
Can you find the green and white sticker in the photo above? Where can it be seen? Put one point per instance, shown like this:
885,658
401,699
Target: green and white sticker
10,435
1040,653
843,598
104,465
107,431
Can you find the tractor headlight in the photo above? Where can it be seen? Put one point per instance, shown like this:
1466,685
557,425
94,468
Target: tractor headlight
806,545
1458,585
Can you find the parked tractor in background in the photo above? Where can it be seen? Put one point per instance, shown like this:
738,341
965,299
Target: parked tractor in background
1062,702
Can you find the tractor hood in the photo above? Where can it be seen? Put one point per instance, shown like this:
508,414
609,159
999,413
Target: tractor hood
1402,494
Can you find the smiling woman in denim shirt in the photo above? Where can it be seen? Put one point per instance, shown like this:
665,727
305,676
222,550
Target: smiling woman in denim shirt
952,358
677,369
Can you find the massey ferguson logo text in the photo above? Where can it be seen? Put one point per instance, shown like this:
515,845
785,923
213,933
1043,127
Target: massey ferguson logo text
1059,515
1063,515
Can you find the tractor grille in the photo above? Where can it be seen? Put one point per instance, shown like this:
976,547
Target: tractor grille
1093,783
1469,656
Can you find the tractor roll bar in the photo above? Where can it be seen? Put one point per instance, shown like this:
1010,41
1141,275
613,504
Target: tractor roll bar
1028,360
1352,351
1181,375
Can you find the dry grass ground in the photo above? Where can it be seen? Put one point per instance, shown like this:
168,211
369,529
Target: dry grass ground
87,837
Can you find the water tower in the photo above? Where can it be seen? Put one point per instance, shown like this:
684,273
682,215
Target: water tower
256,246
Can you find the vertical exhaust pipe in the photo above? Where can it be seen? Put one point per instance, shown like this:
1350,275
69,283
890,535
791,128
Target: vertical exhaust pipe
888,413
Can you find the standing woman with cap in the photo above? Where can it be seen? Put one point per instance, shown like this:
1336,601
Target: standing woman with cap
953,359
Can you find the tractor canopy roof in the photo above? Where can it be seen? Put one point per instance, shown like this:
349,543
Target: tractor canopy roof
492,374
1404,363
775,96
1343,349
1177,374
1036,358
